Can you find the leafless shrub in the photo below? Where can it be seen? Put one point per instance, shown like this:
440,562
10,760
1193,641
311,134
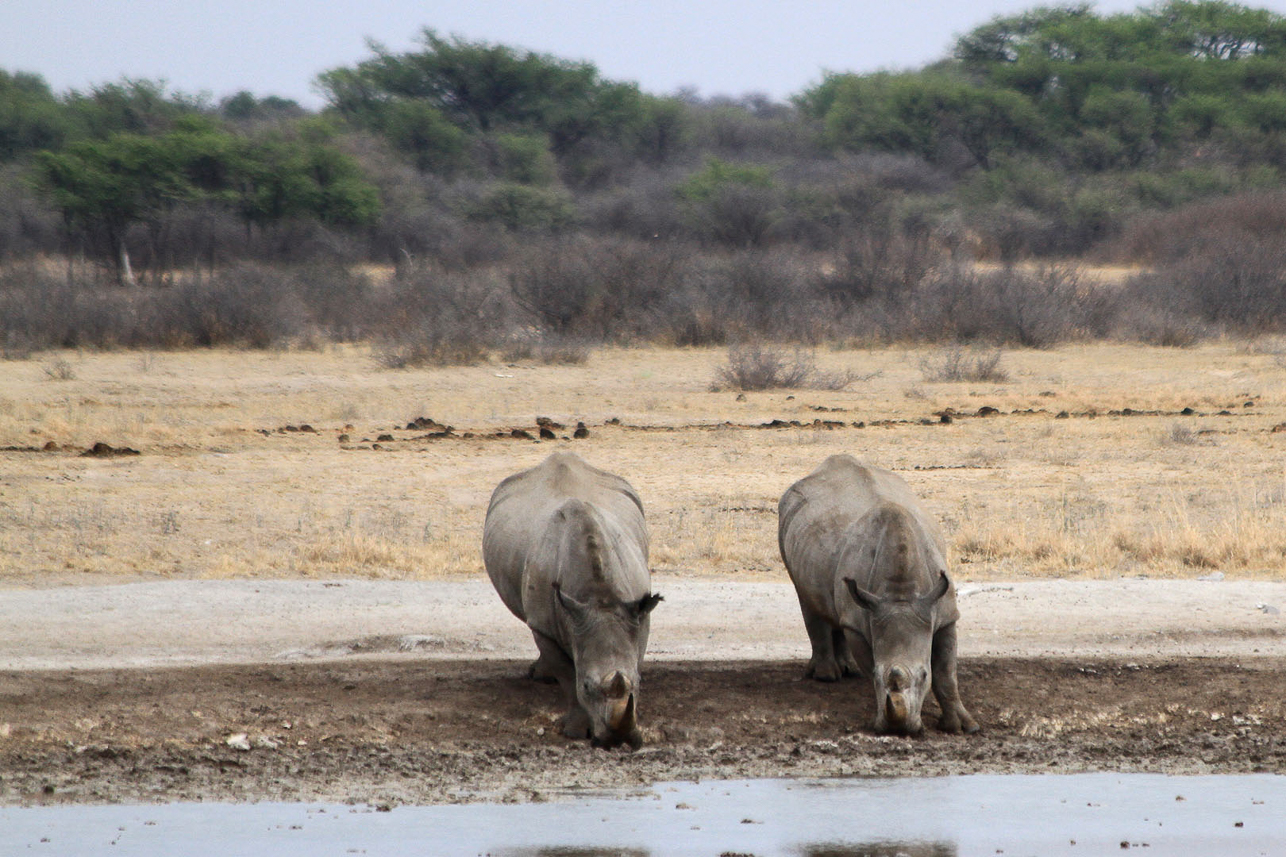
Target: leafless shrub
1179,434
435,317
752,367
956,364
59,369
550,351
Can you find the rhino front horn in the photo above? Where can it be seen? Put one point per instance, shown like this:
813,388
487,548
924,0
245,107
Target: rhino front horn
895,709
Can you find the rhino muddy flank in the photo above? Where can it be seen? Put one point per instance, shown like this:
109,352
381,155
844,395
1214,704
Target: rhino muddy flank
398,692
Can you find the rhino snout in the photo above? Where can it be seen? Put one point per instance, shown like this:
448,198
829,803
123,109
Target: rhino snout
898,702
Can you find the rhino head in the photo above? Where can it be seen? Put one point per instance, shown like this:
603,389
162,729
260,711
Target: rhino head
607,637
901,641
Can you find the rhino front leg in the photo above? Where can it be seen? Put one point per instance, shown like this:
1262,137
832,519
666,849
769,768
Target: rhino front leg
575,723
955,718
822,665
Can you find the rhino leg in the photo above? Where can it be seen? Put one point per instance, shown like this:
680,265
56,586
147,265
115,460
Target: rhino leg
541,671
575,723
955,718
844,653
822,666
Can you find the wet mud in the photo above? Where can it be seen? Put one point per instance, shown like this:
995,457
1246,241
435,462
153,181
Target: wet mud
396,731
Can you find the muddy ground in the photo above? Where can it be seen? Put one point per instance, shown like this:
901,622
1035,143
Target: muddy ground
388,731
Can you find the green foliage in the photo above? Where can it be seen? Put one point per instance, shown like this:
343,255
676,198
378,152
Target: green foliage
735,204
522,207
482,89
30,116
525,158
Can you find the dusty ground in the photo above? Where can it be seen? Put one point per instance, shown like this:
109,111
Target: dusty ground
1084,496
388,692
394,731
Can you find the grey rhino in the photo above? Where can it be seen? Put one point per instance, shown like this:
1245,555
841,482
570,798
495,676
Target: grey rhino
565,545
867,564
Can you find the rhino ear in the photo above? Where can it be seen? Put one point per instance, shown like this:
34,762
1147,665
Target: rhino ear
576,609
647,603
940,588
864,599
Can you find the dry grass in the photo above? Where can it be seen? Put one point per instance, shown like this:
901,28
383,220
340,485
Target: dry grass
1019,494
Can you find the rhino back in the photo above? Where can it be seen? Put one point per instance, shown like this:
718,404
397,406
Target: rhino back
533,515
819,521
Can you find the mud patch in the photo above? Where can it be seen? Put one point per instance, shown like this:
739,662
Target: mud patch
399,731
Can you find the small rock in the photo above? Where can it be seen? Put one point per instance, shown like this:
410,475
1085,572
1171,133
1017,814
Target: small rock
385,438
263,742
741,397
581,432
343,438
239,741
988,411
520,434
547,434
547,423
1268,609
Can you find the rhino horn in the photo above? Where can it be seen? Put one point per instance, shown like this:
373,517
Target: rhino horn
895,709
616,685
622,718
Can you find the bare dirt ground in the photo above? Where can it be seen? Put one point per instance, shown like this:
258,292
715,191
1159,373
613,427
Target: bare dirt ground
280,595
427,700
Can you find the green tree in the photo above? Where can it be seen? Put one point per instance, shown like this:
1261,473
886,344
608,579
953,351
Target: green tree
31,118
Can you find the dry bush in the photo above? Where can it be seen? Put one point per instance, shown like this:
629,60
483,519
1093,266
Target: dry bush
753,367
59,369
956,364
433,317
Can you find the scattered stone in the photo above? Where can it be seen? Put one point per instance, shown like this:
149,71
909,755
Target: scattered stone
546,422
385,438
343,438
1248,404
581,432
520,434
988,411
1224,413
1280,427
945,418
1187,412
239,741
307,428
741,397
263,742
376,446
614,421
51,446
547,434
1048,394
1062,415
1268,609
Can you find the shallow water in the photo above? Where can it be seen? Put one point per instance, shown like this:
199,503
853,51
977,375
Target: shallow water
945,817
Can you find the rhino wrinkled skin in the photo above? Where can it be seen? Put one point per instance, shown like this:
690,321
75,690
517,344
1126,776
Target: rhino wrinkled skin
565,545
868,567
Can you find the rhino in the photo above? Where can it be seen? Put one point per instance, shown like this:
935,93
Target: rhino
566,546
867,564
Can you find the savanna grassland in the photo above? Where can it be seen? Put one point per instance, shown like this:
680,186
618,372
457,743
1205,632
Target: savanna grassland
1099,460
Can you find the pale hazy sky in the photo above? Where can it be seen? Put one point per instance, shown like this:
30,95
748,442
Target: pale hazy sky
277,47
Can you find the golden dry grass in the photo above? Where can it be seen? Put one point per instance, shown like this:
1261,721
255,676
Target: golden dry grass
219,491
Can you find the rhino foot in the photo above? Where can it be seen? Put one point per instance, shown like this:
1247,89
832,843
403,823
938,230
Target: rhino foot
538,671
955,723
825,670
575,724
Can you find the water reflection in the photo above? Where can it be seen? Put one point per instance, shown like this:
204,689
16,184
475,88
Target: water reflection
881,849
558,851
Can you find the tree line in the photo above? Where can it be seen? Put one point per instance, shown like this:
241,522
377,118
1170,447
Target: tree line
1055,133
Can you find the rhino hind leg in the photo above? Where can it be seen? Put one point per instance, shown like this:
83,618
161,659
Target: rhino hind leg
841,644
955,718
822,666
